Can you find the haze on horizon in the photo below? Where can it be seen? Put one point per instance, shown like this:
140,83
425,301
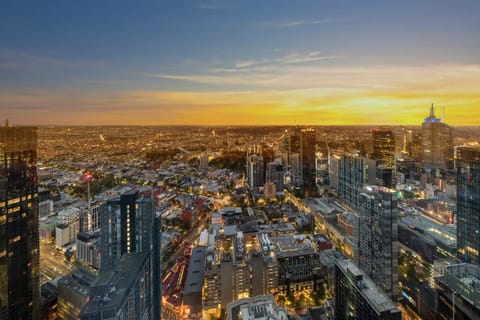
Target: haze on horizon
213,62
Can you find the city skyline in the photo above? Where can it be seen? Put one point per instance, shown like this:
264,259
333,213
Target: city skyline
239,63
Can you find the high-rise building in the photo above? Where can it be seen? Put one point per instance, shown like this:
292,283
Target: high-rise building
378,238
437,143
383,142
129,225
118,228
353,175
255,171
274,173
307,162
19,237
468,204
357,297
124,292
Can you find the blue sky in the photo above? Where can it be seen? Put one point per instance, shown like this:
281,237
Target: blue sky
86,54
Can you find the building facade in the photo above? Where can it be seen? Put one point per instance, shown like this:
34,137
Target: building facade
437,142
19,236
378,238
357,297
468,204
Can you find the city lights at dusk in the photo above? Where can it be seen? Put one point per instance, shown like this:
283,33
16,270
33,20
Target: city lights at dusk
240,160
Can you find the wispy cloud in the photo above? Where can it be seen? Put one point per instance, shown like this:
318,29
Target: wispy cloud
298,23
210,5
285,75
21,60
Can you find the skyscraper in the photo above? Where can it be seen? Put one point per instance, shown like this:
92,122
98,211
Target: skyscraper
307,161
118,228
255,171
383,141
437,143
353,174
19,246
378,238
468,204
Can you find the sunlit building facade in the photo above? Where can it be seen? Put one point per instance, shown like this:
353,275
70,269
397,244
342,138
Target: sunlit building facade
437,142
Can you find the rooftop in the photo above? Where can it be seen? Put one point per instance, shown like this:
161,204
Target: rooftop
377,299
287,246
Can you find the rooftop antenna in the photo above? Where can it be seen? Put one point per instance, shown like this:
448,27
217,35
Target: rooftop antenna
6,122
432,111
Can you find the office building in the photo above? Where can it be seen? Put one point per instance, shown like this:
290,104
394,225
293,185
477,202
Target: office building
437,142
468,204
308,142
73,292
19,235
296,259
353,174
378,238
357,297
255,171
383,142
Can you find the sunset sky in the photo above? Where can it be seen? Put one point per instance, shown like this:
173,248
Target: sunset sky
239,62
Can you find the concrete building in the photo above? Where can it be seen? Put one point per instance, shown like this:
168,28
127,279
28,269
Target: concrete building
123,292
357,297
88,249
73,292
459,292
262,307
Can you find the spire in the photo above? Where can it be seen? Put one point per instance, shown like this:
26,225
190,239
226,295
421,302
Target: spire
432,111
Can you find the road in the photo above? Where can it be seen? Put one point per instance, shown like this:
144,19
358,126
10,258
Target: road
52,263
191,237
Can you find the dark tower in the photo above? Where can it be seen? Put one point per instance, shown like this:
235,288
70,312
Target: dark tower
19,246
468,204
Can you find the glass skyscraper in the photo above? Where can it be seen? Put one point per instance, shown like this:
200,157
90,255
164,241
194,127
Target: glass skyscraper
468,204
19,243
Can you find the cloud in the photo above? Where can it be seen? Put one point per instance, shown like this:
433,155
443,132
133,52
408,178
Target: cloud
286,74
316,106
21,60
298,23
